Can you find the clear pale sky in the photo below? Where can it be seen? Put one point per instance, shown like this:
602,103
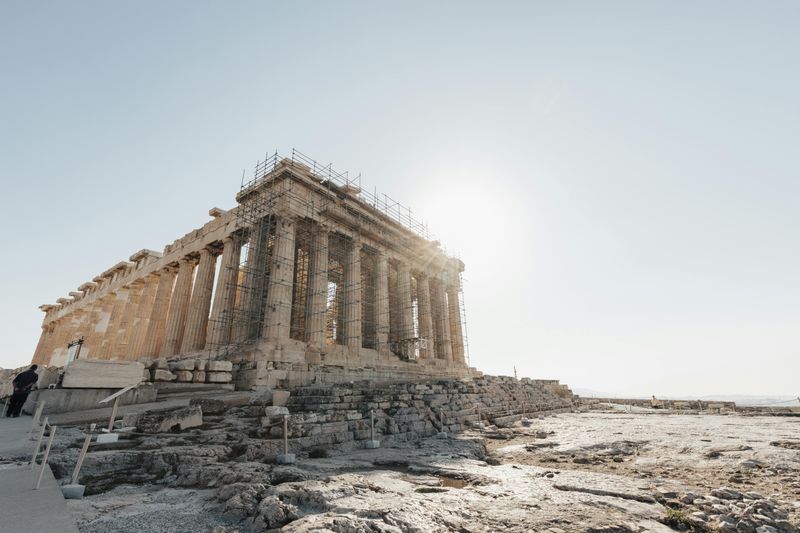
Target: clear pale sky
621,179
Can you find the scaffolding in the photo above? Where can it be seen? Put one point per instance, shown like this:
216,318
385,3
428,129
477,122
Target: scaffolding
274,275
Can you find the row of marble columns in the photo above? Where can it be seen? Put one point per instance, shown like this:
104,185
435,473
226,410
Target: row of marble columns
163,314
438,313
171,311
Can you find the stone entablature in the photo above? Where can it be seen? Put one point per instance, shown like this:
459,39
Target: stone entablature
295,228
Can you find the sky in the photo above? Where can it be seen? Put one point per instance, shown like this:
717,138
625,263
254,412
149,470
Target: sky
620,178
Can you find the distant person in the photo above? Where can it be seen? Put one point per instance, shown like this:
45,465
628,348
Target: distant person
23,384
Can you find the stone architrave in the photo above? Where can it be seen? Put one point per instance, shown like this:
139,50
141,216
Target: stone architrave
278,315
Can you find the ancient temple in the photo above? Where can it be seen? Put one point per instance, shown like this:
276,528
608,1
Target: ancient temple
307,269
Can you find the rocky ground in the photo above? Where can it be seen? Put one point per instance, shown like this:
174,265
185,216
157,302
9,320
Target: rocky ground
613,471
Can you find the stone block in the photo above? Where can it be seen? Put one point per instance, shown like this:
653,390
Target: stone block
105,438
93,373
73,491
163,375
146,375
219,366
159,364
219,377
170,420
275,411
280,397
184,364
200,364
184,376
372,444
198,376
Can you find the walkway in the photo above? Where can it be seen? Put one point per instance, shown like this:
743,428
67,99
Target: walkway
23,509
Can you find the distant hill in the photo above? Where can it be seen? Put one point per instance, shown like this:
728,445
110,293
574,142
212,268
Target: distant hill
740,399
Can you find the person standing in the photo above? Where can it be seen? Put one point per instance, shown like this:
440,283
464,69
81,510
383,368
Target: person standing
23,384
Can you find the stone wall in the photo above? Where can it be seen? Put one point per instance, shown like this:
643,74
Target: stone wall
339,416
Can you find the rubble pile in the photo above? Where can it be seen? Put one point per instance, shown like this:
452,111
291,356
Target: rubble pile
728,511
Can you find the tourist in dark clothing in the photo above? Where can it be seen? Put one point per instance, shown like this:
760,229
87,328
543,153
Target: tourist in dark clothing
23,384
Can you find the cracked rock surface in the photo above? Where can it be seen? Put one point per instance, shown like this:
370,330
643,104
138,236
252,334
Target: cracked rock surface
589,472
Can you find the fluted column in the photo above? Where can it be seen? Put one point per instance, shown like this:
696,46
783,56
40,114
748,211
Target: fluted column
404,303
454,312
157,324
225,295
178,308
194,337
317,297
278,315
120,349
444,349
98,324
142,318
382,302
249,313
117,312
352,295
39,351
425,317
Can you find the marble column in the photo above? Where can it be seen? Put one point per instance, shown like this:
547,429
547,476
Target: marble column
404,302
99,321
40,346
249,314
425,317
142,318
441,317
454,312
352,295
157,324
178,308
194,336
225,295
382,302
317,296
278,315
117,312
120,349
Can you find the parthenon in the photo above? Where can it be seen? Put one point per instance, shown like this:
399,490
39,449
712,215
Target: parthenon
306,269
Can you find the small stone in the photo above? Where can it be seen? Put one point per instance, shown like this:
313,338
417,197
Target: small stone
184,376
198,376
275,411
727,494
163,375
